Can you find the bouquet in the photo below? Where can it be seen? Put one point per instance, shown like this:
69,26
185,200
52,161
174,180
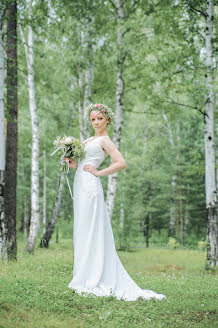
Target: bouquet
68,147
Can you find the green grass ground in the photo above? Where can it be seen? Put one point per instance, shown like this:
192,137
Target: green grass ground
34,292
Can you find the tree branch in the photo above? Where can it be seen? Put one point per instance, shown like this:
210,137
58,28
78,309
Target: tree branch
195,10
179,104
113,5
184,105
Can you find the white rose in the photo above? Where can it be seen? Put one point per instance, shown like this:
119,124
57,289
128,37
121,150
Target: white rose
69,140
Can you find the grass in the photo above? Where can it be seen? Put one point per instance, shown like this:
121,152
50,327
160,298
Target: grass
34,292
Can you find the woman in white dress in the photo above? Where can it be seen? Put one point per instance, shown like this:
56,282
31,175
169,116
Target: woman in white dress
97,268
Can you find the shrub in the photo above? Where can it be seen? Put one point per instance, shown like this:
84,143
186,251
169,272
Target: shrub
172,243
202,245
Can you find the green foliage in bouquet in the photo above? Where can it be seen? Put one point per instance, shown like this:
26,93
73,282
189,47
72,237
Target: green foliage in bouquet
70,148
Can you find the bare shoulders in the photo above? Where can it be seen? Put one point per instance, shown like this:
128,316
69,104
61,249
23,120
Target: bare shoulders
107,145
87,139
106,140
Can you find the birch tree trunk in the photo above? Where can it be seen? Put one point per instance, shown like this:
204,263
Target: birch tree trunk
85,39
172,220
11,146
122,210
87,98
2,116
83,103
3,230
25,202
216,113
35,218
187,214
26,217
146,231
44,221
51,225
210,180
72,102
3,235
80,103
88,55
112,178
179,188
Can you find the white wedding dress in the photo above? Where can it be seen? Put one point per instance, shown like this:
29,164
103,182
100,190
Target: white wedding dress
97,268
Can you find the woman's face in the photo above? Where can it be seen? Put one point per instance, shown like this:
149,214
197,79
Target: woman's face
99,121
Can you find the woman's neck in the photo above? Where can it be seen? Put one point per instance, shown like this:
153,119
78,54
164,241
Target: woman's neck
101,135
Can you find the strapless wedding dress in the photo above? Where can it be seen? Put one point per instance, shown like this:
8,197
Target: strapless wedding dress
97,268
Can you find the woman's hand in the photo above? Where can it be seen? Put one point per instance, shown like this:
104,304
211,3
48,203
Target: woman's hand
90,168
72,163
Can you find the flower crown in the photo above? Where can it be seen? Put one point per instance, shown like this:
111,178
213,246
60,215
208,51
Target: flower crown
101,108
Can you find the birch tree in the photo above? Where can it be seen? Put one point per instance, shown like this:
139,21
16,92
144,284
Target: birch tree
172,220
88,52
72,98
85,78
11,145
44,221
2,117
29,52
3,236
112,178
51,225
210,180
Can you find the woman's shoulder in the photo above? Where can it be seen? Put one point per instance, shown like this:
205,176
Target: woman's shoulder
87,139
107,144
106,139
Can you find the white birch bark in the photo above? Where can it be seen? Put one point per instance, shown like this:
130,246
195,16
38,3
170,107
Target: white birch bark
35,217
25,203
80,103
87,98
217,144
210,180
122,211
172,220
72,102
26,217
186,216
51,225
122,216
112,178
85,78
44,221
2,115
2,125
88,54
179,187
3,231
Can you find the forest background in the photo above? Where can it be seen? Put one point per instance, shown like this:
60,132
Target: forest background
145,60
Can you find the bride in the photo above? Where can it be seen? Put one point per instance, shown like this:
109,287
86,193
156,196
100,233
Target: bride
97,268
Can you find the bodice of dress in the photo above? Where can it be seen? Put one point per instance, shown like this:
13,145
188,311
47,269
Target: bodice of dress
85,182
95,155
